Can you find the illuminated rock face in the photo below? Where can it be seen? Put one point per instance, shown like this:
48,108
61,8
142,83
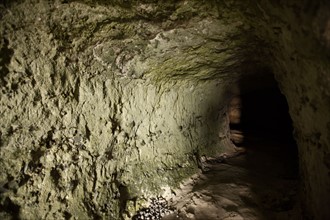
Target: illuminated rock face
104,104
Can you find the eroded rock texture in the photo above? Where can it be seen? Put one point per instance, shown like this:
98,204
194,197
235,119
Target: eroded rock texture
104,103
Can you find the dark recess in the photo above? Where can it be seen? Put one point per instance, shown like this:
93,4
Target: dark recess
264,109
10,207
5,57
265,113
265,119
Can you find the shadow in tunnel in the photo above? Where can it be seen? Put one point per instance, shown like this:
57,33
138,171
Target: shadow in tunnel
260,123
265,113
262,183
259,115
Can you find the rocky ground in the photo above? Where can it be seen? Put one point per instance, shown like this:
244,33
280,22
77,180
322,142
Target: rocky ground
260,184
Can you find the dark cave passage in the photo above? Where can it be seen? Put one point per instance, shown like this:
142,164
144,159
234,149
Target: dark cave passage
261,183
259,113
260,110
261,125
265,113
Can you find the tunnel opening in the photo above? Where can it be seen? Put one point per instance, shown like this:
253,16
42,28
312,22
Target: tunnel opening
260,124
259,111
257,175
260,180
265,113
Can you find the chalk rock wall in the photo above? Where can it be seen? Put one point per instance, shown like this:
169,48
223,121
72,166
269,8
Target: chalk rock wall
101,107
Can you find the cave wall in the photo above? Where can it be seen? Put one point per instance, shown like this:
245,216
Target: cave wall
297,35
100,108
114,142
102,102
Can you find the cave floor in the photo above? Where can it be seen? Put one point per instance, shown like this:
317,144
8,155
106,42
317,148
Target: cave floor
260,184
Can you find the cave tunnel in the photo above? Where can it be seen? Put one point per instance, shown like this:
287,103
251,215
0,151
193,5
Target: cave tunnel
261,127
119,109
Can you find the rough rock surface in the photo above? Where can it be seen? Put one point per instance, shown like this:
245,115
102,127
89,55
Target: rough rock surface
106,103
